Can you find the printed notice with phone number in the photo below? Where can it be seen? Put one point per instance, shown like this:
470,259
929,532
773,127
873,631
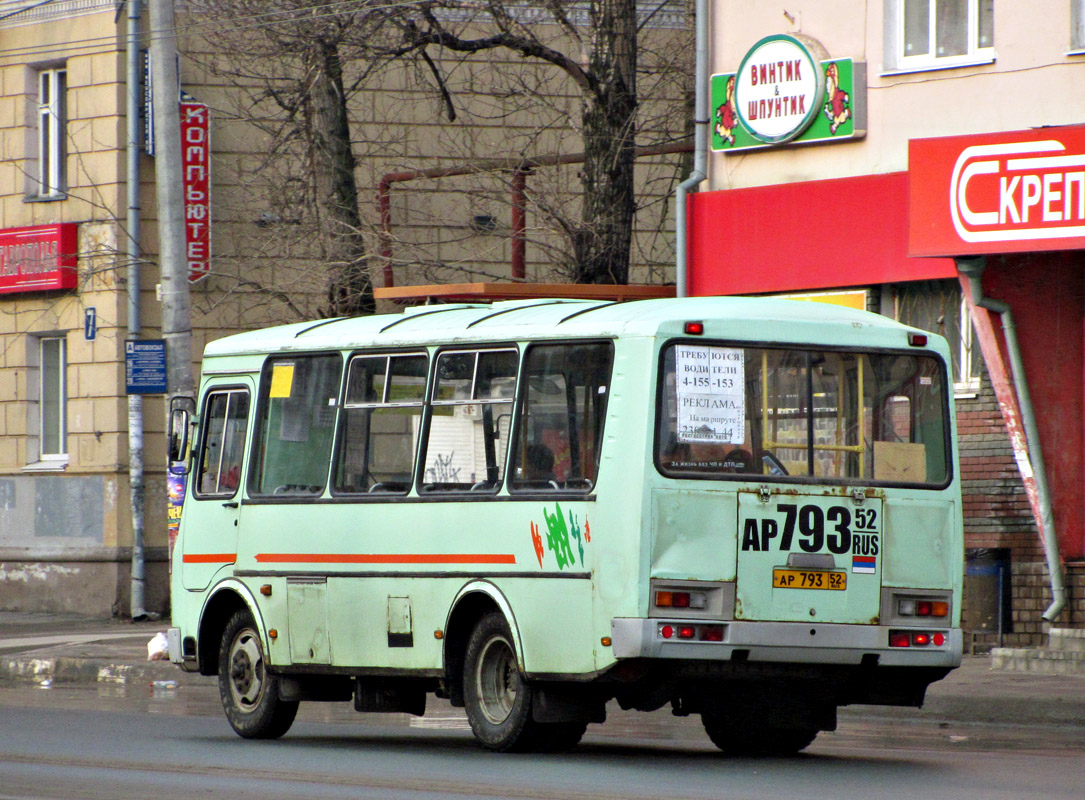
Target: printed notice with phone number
709,386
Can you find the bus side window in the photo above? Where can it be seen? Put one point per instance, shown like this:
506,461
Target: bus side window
225,415
561,422
293,440
382,415
470,420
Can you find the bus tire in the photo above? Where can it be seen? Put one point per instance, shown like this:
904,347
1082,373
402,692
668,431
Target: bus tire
750,739
499,701
250,695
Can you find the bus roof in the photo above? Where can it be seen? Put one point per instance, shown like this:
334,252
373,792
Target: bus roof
745,318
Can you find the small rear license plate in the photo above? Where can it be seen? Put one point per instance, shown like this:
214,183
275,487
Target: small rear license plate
809,579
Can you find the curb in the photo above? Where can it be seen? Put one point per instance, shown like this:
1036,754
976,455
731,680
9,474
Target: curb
1060,708
69,670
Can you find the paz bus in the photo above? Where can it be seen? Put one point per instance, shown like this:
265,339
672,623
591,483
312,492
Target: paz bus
746,509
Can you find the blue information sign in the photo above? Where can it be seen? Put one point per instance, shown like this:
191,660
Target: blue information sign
145,366
90,324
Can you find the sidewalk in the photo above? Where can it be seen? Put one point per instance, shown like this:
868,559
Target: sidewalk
69,649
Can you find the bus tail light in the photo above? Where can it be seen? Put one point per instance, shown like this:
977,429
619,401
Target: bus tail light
694,328
672,599
915,607
916,639
712,633
700,633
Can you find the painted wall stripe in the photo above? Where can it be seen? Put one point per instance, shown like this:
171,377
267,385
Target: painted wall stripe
386,558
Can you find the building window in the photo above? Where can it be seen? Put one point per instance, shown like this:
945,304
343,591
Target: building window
51,119
940,307
937,34
47,423
1077,26
966,375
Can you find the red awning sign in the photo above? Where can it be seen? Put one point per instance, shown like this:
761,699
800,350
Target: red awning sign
1007,192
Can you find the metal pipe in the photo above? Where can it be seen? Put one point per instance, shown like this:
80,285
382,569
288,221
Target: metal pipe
136,487
519,224
514,165
700,149
972,268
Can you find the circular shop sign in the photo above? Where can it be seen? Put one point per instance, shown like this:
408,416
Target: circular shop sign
778,89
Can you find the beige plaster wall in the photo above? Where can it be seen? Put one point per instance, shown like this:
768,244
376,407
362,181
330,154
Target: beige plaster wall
1032,83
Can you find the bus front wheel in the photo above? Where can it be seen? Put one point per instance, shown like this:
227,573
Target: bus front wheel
499,701
751,739
250,695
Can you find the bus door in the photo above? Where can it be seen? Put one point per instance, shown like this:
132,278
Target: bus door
209,521
809,556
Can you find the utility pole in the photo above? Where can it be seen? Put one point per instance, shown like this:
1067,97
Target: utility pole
176,303
172,261
132,251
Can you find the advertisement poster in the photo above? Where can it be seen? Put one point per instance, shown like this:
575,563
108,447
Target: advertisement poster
710,388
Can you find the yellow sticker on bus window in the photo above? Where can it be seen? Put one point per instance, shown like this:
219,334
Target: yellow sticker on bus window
282,380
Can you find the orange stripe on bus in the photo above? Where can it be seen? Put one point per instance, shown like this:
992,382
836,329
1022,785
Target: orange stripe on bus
209,558
386,558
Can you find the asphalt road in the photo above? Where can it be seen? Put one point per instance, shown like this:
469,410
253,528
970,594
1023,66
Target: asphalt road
139,742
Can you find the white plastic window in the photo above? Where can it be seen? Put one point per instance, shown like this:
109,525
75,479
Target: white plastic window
51,121
53,397
936,34
1077,26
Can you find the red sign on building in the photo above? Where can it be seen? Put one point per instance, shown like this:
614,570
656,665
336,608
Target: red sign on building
39,259
196,181
1009,192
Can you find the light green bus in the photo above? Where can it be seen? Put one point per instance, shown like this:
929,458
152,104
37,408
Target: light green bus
746,509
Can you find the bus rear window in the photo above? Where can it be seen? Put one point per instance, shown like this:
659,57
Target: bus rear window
859,417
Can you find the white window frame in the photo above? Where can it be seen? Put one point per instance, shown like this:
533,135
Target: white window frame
40,365
51,174
895,59
1077,28
967,383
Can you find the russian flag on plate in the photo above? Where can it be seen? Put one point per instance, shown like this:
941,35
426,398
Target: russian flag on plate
864,564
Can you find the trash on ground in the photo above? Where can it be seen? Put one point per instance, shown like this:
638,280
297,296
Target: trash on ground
158,648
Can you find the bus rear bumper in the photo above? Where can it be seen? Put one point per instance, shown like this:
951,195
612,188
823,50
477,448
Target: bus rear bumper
781,642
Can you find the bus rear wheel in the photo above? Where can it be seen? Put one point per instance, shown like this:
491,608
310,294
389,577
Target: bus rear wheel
750,739
250,695
499,701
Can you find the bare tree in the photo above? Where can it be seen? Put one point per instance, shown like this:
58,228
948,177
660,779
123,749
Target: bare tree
600,58
285,62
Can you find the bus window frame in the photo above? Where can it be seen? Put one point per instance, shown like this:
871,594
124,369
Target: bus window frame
521,402
198,451
947,431
263,374
386,353
429,491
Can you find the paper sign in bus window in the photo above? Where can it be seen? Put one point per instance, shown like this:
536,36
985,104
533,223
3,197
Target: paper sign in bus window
710,391
282,380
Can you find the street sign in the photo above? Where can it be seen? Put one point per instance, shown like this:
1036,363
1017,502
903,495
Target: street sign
145,366
90,324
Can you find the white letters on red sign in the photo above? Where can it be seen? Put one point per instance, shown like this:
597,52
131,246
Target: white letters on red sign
1018,191
196,184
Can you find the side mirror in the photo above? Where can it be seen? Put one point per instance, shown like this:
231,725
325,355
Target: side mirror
181,412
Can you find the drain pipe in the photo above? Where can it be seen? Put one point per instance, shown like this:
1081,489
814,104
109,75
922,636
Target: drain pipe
700,149
972,268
